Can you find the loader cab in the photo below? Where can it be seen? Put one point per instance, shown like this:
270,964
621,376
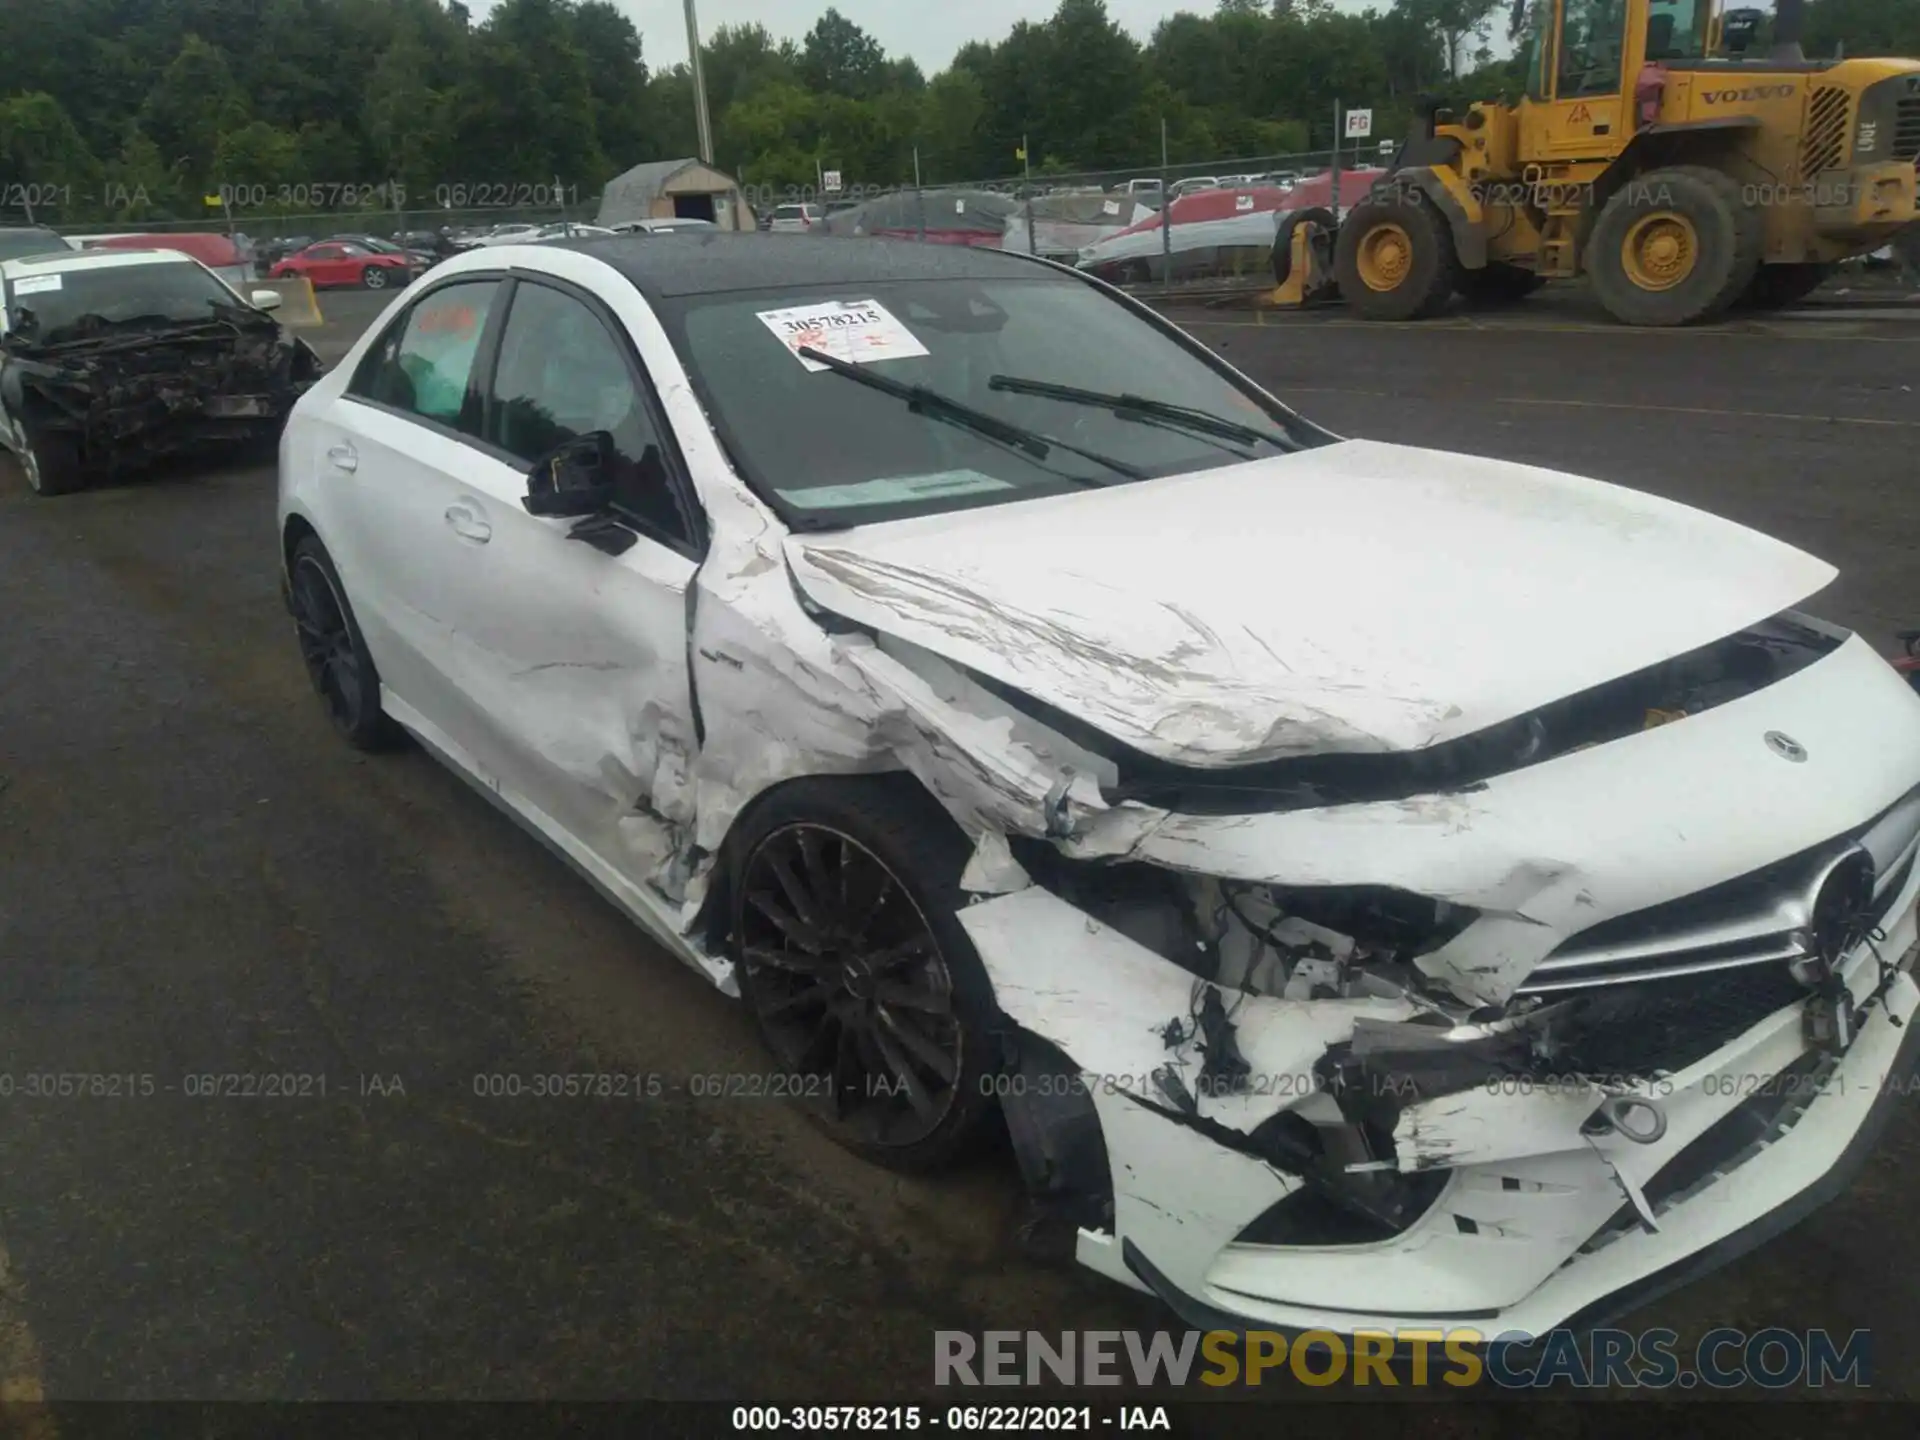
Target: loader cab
1584,59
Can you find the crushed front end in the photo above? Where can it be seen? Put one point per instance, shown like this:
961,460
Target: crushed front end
1512,1053
132,393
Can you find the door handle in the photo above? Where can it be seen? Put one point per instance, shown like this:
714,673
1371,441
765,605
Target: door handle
469,525
344,457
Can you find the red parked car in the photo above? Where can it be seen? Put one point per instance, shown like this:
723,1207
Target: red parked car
337,262
215,251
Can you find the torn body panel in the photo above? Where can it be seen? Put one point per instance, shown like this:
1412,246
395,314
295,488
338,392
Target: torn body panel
1526,1191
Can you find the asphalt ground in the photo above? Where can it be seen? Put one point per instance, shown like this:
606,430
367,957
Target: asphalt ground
197,879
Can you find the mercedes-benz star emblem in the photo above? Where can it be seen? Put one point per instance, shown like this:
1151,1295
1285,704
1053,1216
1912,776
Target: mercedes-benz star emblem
1785,746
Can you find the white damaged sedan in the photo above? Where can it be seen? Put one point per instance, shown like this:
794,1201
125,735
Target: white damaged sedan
1378,887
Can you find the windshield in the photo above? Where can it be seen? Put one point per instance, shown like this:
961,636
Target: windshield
16,243
163,292
827,451
1677,29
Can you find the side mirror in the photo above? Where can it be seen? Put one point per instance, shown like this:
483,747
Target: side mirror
266,299
573,479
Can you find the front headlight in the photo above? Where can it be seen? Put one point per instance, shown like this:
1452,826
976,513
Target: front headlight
1295,943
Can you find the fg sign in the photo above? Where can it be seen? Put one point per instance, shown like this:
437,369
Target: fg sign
831,181
1359,124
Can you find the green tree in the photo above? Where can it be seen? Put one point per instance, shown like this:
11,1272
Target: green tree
839,58
194,103
42,152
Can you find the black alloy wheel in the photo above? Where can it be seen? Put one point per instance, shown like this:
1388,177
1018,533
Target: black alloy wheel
851,990
332,650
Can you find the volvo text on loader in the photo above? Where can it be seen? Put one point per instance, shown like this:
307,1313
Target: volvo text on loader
1652,155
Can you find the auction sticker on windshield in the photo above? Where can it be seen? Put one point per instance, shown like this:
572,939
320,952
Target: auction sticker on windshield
857,331
35,284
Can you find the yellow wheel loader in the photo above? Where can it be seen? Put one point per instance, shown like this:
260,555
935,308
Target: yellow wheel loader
1652,154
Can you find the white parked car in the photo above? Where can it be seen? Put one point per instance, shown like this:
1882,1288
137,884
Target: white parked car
675,225
1375,884
514,233
796,219
570,230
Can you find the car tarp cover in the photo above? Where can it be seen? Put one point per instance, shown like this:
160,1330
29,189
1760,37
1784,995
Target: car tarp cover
1247,215
1067,224
951,217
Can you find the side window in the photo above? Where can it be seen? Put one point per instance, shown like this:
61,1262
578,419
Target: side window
423,363
561,375
1539,47
1590,48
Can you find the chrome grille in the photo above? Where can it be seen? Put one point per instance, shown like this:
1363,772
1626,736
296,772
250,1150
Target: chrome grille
1906,129
1760,919
1824,144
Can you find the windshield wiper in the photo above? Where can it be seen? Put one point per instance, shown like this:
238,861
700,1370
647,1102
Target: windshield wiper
1201,422
936,406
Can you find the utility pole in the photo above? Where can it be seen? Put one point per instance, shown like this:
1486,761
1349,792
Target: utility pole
1026,160
919,196
705,126
1166,213
1334,168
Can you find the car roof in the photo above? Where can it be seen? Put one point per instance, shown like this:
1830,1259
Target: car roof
724,261
60,261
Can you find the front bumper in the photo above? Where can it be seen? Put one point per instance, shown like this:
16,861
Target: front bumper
1529,1218
1537,1227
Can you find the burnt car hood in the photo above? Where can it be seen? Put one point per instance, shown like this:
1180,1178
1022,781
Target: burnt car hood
1354,598
121,383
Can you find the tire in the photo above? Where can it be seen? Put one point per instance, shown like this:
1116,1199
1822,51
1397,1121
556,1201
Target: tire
1775,287
1283,238
333,650
1497,284
1396,259
1674,247
374,277
52,462
813,970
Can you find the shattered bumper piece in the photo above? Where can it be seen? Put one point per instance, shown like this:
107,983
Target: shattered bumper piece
1547,1204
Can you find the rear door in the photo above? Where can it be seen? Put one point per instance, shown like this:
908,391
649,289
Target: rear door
390,450
322,264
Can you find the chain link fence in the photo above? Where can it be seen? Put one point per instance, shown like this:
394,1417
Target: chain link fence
1104,219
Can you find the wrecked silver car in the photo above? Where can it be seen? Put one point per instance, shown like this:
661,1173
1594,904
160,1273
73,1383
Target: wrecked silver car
112,359
1377,886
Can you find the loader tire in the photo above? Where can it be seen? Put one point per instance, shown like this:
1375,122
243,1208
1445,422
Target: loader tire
1775,287
1317,215
1498,284
1674,247
1396,259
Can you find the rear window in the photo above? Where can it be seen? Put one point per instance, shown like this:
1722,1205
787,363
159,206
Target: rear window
791,212
16,243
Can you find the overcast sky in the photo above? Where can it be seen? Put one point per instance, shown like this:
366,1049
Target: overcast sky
930,31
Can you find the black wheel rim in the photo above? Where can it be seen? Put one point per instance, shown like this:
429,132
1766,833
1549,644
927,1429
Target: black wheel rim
326,644
849,984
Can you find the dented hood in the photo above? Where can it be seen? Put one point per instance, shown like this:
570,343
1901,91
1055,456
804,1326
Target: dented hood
1356,597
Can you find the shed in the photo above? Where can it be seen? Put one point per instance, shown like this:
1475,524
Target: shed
675,189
